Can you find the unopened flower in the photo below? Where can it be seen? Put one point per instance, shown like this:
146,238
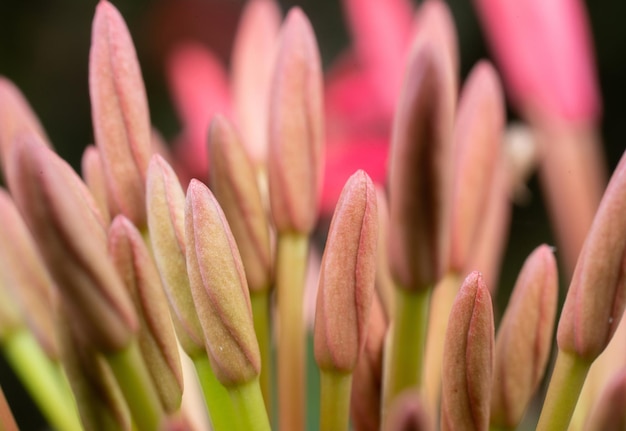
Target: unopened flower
219,289
296,128
468,359
120,113
347,277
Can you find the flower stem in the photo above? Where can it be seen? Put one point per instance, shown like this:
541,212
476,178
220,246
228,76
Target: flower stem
335,400
218,402
291,263
441,305
566,383
249,406
43,380
408,340
261,316
134,381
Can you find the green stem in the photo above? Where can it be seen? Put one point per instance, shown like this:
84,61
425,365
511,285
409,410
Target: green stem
248,402
133,378
440,306
408,340
566,383
291,264
335,393
43,380
261,316
221,410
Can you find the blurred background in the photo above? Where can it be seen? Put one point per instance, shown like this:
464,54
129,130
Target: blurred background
44,49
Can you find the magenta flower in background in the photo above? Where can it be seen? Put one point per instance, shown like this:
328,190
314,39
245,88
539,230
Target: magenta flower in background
361,90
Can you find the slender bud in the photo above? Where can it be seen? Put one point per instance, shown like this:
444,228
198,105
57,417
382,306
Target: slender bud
477,139
233,181
597,294
25,276
252,56
524,338
384,281
468,359
347,277
156,336
93,175
296,129
65,222
120,115
166,224
16,115
219,289
419,167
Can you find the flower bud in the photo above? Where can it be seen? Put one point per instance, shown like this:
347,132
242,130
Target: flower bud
233,181
156,336
27,280
166,224
219,289
93,175
120,115
347,277
597,294
255,41
478,135
65,222
407,413
468,359
608,411
296,128
524,338
419,167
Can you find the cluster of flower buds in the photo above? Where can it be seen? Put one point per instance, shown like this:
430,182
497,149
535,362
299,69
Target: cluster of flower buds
168,290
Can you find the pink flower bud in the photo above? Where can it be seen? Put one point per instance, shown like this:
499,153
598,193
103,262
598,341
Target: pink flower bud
234,183
524,338
347,277
477,140
65,222
93,175
419,168
252,56
219,289
120,115
597,294
468,359
296,129
156,336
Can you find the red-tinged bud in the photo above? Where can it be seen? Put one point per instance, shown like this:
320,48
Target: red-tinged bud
166,224
347,277
408,413
16,115
478,136
608,412
468,359
24,275
597,294
120,115
93,175
252,56
524,338
219,289
156,336
296,128
233,180
65,223
419,169
384,281
366,395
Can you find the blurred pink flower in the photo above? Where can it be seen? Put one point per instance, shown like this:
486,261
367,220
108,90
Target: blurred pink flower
360,94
